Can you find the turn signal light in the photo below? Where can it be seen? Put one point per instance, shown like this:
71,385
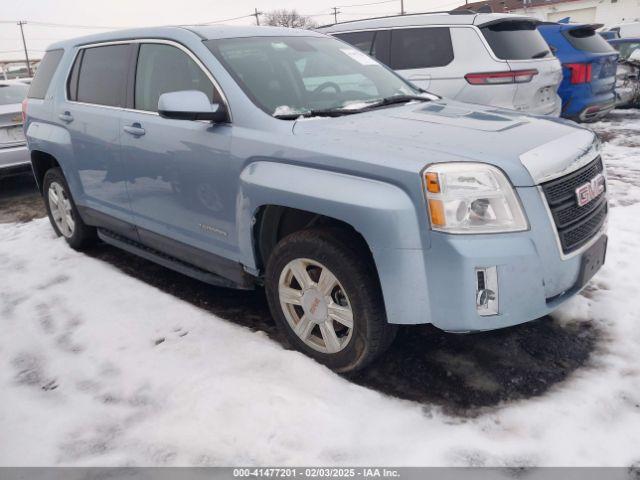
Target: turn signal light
436,210
580,72
432,183
500,78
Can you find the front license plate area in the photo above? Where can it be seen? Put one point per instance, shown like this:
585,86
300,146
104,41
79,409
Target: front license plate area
592,260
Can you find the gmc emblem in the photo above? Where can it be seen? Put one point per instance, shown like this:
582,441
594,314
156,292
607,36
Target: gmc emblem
590,191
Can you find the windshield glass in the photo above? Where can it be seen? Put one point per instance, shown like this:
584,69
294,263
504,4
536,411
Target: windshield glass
516,40
291,75
10,94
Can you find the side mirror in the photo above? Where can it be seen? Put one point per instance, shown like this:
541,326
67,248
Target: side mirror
190,105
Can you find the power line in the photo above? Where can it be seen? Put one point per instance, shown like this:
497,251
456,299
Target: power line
66,25
225,20
367,4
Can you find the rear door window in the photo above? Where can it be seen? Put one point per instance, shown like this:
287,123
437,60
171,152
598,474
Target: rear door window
102,76
516,40
587,40
42,79
420,48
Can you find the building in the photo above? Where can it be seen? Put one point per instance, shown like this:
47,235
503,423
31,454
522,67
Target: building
607,12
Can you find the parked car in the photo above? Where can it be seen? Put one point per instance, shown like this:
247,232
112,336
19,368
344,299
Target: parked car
624,30
625,46
14,156
490,59
628,74
248,156
607,35
589,69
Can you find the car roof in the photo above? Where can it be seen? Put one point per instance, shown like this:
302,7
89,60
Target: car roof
205,32
462,17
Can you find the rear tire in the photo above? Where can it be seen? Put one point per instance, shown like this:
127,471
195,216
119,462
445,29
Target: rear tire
324,294
62,211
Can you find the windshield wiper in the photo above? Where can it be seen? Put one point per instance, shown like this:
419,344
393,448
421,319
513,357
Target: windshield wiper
395,99
541,54
348,110
325,112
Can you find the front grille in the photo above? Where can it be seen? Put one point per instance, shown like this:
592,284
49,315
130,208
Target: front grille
575,224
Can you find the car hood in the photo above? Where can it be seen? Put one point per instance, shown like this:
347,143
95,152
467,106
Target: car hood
528,148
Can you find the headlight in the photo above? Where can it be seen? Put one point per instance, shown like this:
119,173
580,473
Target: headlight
472,198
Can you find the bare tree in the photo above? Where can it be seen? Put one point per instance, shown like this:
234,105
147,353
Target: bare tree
288,18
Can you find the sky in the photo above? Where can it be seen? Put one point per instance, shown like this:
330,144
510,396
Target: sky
86,15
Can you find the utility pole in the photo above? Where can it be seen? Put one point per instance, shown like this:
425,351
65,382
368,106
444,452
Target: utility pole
24,44
257,15
335,14
402,7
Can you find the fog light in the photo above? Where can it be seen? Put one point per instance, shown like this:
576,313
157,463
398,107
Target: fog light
487,291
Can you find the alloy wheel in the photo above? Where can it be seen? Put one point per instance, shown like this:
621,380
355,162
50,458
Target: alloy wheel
315,305
61,212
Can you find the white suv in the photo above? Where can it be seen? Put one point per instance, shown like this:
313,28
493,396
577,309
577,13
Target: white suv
490,59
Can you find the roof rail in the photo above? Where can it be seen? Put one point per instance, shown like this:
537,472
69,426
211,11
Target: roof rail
450,12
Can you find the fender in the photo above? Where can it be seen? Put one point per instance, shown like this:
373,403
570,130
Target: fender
56,141
382,213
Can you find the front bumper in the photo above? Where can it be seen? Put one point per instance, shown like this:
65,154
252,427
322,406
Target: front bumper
14,160
534,277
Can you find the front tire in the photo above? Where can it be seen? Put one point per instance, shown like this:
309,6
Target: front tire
62,211
325,297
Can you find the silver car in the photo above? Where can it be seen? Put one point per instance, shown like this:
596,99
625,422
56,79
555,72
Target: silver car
485,58
14,156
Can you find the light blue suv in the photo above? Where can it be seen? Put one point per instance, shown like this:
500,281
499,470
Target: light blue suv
248,156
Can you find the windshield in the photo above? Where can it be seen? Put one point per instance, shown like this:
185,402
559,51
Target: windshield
290,75
516,40
10,94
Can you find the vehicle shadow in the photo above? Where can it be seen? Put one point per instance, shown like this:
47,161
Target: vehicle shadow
460,373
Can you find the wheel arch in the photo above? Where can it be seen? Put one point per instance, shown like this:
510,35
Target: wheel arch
383,216
41,162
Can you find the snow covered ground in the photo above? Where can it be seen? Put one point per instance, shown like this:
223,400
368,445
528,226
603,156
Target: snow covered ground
99,368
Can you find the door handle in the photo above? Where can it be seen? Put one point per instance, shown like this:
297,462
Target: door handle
66,117
135,129
420,77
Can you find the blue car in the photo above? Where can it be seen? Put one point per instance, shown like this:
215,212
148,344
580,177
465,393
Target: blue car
589,69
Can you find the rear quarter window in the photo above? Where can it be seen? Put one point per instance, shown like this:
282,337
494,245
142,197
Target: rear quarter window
516,40
44,74
420,48
587,40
